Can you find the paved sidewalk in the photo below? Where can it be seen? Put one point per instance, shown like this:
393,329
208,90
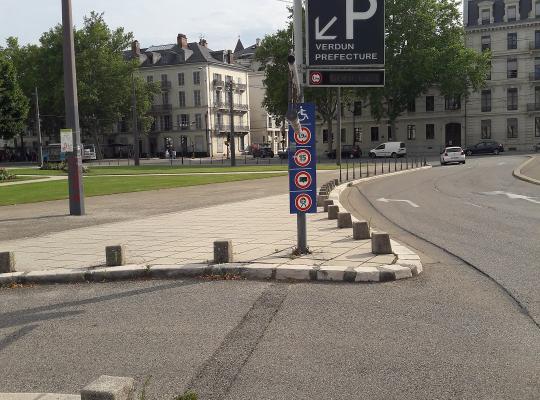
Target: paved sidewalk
532,169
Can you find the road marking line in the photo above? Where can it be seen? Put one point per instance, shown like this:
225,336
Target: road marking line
383,200
512,196
472,204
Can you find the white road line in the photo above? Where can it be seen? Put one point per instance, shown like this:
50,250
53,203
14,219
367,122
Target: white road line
472,204
383,200
512,196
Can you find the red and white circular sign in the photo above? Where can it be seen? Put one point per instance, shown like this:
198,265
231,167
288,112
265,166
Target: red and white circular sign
303,202
302,180
315,78
302,158
303,137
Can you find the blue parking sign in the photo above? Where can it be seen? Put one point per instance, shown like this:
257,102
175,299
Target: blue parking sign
303,162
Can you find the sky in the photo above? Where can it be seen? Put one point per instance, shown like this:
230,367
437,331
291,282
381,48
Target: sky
153,22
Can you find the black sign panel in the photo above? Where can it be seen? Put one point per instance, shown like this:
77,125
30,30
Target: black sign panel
355,78
345,33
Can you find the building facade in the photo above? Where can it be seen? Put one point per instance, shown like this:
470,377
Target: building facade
192,112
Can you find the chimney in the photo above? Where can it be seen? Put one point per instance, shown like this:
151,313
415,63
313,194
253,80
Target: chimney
230,57
135,48
258,42
181,39
203,43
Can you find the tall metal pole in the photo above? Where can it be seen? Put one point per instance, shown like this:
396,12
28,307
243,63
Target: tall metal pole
301,224
76,193
338,146
231,109
135,123
38,129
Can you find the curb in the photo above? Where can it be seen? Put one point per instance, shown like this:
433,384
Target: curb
517,172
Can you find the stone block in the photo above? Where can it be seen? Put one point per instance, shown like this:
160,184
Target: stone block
367,274
336,182
331,273
327,203
320,200
115,256
259,271
380,243
333,212
109,388
223,251
294,272
361,230
399,271
7,262
344,220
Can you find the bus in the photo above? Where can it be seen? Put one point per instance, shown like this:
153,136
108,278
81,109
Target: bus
52,153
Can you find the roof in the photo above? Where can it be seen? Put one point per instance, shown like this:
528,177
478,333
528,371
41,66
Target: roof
248,52
172,54
239,46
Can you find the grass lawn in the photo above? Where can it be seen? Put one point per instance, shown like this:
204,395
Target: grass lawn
164,169
98,186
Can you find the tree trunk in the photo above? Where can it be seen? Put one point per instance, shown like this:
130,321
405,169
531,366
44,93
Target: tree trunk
283,138
330,134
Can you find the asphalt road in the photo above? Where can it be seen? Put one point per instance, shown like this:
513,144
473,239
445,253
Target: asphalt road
477,211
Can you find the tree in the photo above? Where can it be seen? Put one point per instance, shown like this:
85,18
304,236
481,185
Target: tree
13,104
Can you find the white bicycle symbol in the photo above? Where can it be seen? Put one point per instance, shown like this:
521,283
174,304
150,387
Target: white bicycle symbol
302,115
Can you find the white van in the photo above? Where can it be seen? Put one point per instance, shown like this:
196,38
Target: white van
389,149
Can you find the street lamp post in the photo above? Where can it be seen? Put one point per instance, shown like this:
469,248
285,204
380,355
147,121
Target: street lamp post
76,193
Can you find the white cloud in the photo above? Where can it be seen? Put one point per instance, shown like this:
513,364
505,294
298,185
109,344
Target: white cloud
153,22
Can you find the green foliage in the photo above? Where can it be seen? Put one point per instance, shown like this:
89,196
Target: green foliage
5,175
60,166
189,395
13,104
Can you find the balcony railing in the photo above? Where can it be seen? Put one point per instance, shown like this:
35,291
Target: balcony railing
162,108
533,106
240,87
218,83
227,128
224,105
166,85
534,76
241,107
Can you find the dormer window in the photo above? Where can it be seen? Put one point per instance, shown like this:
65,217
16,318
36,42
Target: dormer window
486,15
511,13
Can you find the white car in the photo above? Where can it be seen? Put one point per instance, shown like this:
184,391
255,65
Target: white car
389,149
453,155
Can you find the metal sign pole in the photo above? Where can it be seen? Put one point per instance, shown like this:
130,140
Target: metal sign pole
338,141
76,194
301,223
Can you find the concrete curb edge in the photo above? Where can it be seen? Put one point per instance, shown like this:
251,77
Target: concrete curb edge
517,172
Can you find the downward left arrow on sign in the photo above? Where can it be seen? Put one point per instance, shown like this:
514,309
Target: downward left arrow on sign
319,34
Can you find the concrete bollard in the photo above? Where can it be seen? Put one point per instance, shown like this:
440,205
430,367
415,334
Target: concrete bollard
109,388
223,251
320,200
115,256
361,230
336,182
7,262
327,203
323,192
380,243
344,220
333,212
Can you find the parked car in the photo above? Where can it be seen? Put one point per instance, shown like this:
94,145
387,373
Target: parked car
452,155
486,147
263,152
283,154
347,151
389,149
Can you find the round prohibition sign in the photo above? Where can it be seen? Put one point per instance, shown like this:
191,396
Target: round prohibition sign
302,137
315,78
303,180
302,158
303,202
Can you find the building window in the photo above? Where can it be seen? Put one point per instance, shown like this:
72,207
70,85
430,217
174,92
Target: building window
167,123
358,135
537,127
197,98
184,122
343,135
325,135
486,43
390,136
374,134
511,68
512,128
411,106
411,132
149,79
196,78
163,77
357,108
512,99
165,97
452,103
181,80
511,40
198,121
486,101
488,77
430,131
430,103
485,128
511,13
182,99
486,16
